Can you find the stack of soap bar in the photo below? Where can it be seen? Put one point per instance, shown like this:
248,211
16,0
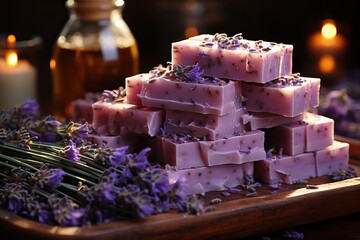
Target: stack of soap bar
112,118
204,179
288,96
234,57
220,97
204,126
185,152
82,107
292,169
313,133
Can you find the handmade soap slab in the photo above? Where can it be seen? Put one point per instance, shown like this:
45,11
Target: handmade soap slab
82,107
113,118
319,131
234,57
218,98
263,120
286,169
186,152
205,126
116,141
332,159
291,138
288,96
133,85
246,147
313,133
216,178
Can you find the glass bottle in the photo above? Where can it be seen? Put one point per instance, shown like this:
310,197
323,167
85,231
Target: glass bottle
95,51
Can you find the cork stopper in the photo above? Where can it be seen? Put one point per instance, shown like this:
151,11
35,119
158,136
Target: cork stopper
92,10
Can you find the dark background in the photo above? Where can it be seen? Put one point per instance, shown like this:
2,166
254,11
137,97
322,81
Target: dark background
157,23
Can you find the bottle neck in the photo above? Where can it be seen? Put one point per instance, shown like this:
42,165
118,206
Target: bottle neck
94,10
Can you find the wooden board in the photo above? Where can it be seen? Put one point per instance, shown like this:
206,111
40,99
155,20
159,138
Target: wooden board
237,216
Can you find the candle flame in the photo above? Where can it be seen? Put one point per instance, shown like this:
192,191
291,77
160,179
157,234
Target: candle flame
11,58
328,29
11,39
52,64
327,64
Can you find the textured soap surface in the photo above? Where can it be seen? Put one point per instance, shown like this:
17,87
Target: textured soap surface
204,126
186,152
313,133
204,179
206,98
133,85
292,169
112,118
288,96
234,57
263,120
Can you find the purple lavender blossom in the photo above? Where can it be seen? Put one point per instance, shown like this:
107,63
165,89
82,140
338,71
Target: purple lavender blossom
71,152
293,234
195,74
118,157
47,177
29,107
66,213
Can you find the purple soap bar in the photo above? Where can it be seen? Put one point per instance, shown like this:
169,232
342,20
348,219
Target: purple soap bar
112,118
219,98
313,133
288,96
319,132
187,152
133,85
234,57
261,120
216,178
291,138
286,169
115,141
204,126
332,159
82,107
246,147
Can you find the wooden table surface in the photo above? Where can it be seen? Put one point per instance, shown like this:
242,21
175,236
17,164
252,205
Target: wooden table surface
330,212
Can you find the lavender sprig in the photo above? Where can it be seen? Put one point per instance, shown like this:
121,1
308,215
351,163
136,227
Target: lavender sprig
67,181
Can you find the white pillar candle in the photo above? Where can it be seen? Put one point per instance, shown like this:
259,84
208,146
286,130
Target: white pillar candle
17,83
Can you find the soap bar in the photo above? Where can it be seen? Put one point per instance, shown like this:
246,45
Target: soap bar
332,159
288,96
187,152
218,98
263,120
246,147
112,118
286,169
319,131
113,142
82,107
216,178
291,169
313,133
234,57
204,126
133,85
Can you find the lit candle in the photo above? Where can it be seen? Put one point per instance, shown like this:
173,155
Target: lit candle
17,80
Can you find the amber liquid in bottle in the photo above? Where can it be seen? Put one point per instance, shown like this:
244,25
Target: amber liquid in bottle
79,71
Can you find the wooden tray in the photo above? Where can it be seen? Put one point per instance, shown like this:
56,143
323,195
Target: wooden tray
237,216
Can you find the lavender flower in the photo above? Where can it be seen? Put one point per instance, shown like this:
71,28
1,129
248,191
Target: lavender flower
66,212
13,197
70,152
46,177
293,234
29,107
118,157
78,131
